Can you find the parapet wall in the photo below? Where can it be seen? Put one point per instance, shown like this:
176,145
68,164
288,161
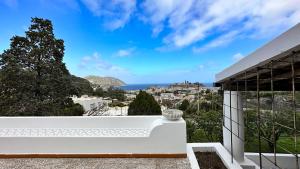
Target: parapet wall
124,136
283,160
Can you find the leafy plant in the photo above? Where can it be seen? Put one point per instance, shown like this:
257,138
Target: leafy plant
144,104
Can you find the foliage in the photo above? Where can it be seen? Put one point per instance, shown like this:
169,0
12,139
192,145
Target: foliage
144,104
184,105
34,80
99,92
81,86
283,141
75,110
204,125
191,109
116,104
113,93
190,129
211,124
266,126
199,136
283,116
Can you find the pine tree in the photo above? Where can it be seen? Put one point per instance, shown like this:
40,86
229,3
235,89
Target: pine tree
34,80
144,104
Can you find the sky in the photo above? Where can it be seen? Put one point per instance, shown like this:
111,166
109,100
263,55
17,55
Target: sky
153,41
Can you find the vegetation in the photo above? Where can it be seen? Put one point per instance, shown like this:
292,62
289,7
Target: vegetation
34,80
99,92
167,103
81,86
113,93
144,104
283,115
205,124
116,104
190,129
211,124
184,105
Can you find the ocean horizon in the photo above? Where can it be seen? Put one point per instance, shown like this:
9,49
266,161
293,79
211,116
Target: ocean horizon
146,86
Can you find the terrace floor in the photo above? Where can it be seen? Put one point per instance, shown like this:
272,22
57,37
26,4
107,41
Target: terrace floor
95,163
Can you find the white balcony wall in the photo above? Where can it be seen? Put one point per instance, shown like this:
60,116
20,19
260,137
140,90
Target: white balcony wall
285,161
92,135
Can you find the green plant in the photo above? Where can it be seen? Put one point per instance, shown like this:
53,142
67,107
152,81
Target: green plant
144,104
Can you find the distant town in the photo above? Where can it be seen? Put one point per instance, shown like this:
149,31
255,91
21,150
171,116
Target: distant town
169,96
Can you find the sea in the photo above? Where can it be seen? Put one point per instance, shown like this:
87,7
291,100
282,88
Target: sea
146,86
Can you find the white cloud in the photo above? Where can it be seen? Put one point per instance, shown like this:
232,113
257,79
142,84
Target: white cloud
116,13
237,57
96,65
220,41
86,60
125,52
191,21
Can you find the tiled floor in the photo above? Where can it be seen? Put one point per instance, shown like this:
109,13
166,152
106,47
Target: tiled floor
95,163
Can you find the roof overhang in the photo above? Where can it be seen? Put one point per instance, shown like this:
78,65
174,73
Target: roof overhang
281,52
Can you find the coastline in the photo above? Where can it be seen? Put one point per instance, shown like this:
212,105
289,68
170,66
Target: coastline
146,86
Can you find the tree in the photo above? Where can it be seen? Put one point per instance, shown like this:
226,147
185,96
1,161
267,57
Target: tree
184,105
99,92
115,93
211,123
81,86
144,104
34,80
266,127
190,129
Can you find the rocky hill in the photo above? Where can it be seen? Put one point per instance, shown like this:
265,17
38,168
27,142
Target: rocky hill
104,82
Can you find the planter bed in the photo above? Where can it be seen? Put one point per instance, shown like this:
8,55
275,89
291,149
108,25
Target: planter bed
209,160
213,151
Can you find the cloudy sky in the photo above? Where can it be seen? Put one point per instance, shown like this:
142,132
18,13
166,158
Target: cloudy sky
153,41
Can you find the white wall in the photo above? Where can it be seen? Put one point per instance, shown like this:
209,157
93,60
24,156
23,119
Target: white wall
284,161
237,128
166,137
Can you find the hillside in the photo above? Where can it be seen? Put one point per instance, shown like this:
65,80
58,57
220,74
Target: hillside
104,82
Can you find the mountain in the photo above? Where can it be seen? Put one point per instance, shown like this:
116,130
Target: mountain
104,82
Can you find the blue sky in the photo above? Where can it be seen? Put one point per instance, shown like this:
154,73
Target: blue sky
153,41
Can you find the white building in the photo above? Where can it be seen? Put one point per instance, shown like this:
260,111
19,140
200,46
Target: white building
89,103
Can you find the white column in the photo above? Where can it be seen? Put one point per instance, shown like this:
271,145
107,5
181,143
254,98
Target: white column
237,124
